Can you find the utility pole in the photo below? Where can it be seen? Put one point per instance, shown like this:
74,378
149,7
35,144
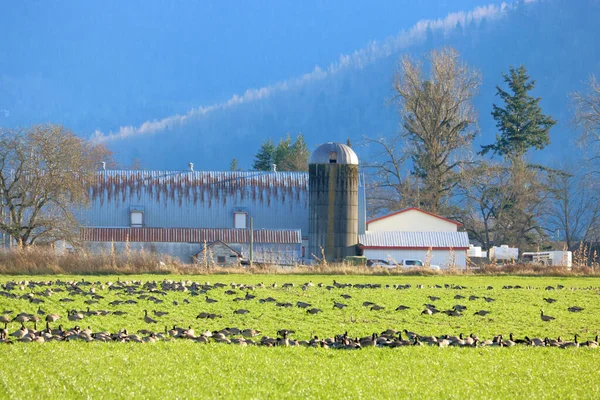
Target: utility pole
251,241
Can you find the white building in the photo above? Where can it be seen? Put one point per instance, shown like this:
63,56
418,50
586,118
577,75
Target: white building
415,234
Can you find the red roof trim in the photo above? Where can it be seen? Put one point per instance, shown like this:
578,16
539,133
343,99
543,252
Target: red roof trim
416,209
410,248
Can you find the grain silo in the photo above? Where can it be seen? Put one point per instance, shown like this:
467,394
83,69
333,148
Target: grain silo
333,202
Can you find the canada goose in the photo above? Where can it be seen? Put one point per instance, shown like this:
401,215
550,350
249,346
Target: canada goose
248,333
519,341
427,311
402,307
241,311
482,313
147,319
160,313
6,319
575,309
75,316
574,343
22,318
473,297
209,300
346,296
313,311
545,318
549,300
488,299
591,343
339,305
459,296
433,298
52,317
302,304
377,308
368,304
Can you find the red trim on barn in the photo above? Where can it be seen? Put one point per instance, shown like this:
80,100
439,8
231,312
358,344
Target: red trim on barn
416,209
409,248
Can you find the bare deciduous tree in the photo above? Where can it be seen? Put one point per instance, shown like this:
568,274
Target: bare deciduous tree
391,187
574,207
587,117
438,119
44,171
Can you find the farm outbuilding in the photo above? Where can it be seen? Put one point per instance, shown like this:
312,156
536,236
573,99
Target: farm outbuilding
446,249
413,233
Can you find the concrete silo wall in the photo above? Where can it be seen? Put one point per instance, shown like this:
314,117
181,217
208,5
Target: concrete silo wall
333,211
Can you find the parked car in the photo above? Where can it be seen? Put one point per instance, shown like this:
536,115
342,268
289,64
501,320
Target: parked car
380,263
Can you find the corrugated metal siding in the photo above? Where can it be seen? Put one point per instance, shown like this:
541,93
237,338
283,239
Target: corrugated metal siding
202,199
442,258
190,199
456,240
188,235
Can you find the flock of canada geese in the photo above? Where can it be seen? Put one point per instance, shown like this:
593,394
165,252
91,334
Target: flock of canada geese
134,291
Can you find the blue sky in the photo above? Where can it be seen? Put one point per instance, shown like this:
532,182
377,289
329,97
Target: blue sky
101,65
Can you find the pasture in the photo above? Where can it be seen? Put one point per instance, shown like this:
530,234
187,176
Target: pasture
186,367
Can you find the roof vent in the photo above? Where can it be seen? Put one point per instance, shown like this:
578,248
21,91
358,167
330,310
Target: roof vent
103,165
274,167
191,165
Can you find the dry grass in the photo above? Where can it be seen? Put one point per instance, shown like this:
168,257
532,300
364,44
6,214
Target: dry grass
44,261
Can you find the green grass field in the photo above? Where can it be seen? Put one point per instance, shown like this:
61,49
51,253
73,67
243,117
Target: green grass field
184,369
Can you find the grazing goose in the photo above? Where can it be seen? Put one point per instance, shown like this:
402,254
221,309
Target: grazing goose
302,304
549,300
339,305
147,319
5,319
574,343
241,311
52,317
545,318
160,313
591,343
209,300
313,311
75,316
575,309
377,308
519,341
482,313
402,307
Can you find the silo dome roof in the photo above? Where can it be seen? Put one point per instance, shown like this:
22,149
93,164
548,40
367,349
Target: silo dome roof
333,153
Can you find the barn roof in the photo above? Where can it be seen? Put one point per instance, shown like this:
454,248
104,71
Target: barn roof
414,240
189,235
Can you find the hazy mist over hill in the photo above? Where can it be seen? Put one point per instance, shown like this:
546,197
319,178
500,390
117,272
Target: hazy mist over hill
555,39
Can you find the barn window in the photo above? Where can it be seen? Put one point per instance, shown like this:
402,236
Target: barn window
220,259
136,219
240,220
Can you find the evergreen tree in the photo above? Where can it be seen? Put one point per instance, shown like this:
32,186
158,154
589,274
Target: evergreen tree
282,154
264,159
298,157
521,123
288,155
233,165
